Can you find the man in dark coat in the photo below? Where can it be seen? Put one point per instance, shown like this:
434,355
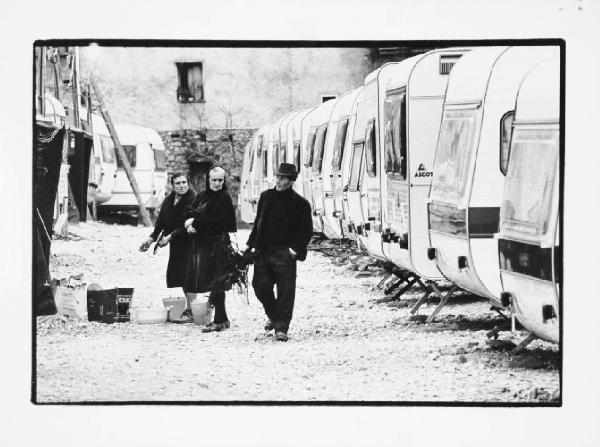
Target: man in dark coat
170,222
280,235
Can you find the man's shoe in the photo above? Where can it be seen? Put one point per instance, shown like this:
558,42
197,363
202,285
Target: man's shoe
281,336
216,327
269,325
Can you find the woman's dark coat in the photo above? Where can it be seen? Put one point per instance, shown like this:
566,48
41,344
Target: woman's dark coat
209,262
170,221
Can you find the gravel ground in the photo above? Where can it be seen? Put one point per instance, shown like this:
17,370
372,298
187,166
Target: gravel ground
347,343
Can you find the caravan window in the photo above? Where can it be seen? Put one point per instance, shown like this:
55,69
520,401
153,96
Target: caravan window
130,152
160,161
394,122
453,155
529,182
251,157
370,149
260,145
319,147
265,162
308,159
505,133
297,154
338,145
355,167
282,152
275,156
108,149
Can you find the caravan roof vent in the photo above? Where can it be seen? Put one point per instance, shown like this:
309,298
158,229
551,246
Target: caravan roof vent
447,61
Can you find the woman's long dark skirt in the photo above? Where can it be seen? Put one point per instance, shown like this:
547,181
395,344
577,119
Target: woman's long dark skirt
178,257
208,265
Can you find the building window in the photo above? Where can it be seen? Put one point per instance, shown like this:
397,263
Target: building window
191,85
325,98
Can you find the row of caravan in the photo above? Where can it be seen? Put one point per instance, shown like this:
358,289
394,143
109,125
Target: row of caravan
146,155
443,165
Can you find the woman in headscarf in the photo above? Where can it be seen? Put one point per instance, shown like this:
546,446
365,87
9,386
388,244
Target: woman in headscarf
170,223
209,221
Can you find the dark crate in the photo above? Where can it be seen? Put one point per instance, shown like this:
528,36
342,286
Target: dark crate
102,305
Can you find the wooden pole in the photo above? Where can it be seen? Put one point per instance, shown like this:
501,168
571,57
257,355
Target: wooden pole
42,81
121,152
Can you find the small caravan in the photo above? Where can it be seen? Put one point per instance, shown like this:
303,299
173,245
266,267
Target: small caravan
313,166
146,154
257,169
271,154
411,96
294,145
469,166
341,185
247,213
528,242
276,148
352,176
284,137
331,168
104,160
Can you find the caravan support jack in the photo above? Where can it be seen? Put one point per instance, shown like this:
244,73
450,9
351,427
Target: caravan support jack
524,343
410,280
384,280
443,300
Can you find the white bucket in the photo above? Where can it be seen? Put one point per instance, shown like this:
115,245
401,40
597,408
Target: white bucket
202,312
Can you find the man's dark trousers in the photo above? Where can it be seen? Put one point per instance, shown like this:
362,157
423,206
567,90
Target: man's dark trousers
276,266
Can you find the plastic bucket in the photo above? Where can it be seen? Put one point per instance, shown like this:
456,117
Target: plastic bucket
202,312
177,306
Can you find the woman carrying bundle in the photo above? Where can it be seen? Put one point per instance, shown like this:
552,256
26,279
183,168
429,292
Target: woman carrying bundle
169,229
209,220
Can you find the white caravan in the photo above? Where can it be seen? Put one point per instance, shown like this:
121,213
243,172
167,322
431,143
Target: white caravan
356,166
294,145
258,168
471,153
528,242
331,173
351,166
284,131
271,153
245,198
411,97
320,124
146,154
313,161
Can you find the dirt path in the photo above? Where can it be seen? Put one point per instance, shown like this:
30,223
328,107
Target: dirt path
343,345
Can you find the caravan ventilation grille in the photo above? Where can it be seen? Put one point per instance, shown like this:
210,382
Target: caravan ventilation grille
447,61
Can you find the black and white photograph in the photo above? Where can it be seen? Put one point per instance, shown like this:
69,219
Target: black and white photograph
336,199
315,227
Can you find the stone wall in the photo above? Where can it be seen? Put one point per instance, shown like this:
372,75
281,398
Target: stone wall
194,150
